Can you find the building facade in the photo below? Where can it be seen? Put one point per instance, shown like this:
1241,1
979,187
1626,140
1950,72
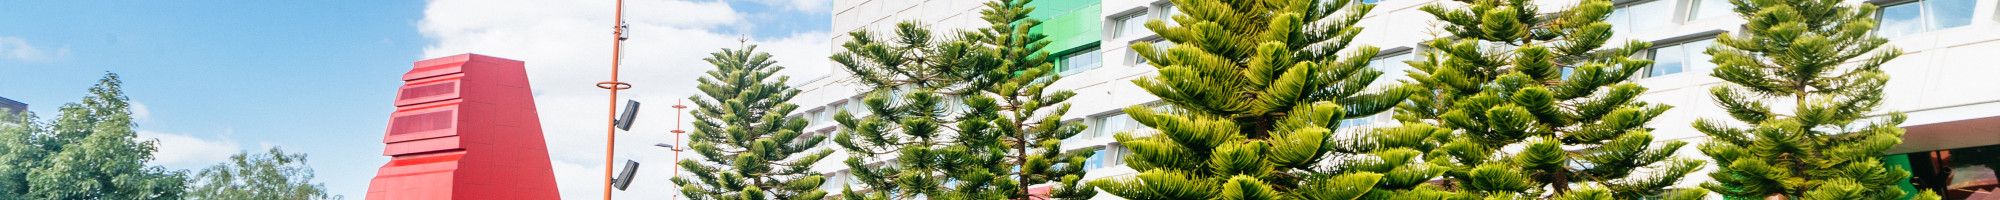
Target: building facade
1943,82
9,106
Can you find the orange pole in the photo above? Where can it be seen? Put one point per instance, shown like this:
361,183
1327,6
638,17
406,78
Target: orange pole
678,111
610,125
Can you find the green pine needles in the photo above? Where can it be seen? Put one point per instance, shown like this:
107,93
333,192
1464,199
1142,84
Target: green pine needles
965,117
1257,92
749,149
1515,103
1538,107
1799,52
905,148
1031,116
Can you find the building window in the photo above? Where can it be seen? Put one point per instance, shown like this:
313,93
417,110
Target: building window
1919,16
1110,155
1132,55
825,116
1634,17
1083,137
954,106
812,118
1674,58
1566,71
835,109
1130,25
856,107
1168,11
1106,126
1392,66
1703,9
1378,118
1111,125
1393,69
835,181
1095,161
1080,61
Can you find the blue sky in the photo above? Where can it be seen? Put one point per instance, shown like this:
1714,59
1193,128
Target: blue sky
217,77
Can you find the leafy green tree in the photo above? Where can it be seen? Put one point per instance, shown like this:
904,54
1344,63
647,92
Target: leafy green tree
1257,92
1539,107
1799,52
90,151
749,149
1030,118
21,150
989,85
273,174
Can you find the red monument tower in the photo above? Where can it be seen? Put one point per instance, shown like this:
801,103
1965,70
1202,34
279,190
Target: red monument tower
465,128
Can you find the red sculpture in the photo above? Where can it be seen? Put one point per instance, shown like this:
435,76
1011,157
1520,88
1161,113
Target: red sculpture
465,128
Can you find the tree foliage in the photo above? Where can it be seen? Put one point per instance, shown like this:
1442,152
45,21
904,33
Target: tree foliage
273,174
903,148
1257,90
965,116
90,151
1030,115
1539,107
749,148
1799,52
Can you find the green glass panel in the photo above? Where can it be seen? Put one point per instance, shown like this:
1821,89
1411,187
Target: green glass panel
1070,24
1902,161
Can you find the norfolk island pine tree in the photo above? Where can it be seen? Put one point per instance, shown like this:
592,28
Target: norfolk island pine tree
1537,106
1256,90
1803,52
749,148
991,84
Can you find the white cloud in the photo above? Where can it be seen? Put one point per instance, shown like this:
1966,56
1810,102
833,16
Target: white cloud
189,152
14,48
567,47
141,113
801,5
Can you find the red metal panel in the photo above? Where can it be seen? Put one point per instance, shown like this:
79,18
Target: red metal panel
429,90
422,146
465,127
422,122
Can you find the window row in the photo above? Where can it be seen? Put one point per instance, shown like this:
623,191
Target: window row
1676,57
838,181
1668,59
1079,61
1895,19
1910,17
1132,55
835,181
823,116
1133,25
1109,156
1646,15
1106,126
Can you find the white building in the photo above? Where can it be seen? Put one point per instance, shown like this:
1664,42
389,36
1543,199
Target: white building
1948,82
